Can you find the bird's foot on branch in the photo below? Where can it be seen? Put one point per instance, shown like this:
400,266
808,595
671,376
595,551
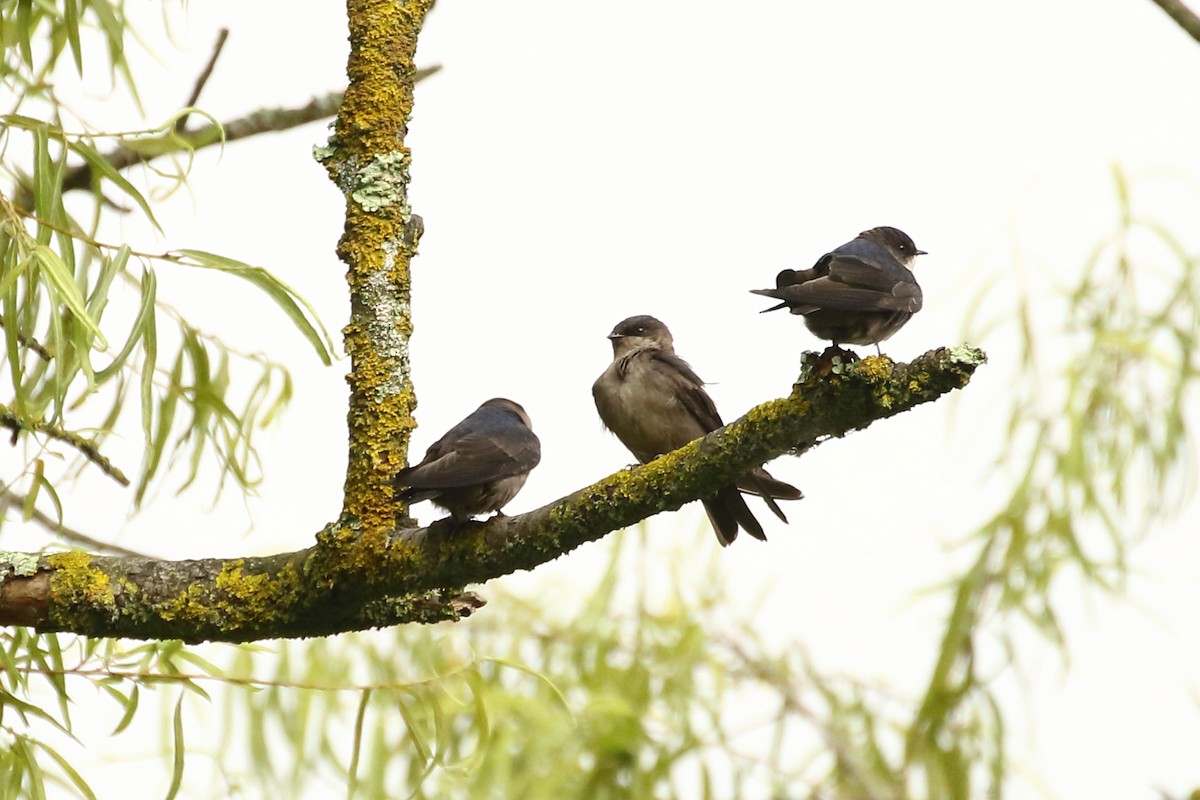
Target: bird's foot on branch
830,360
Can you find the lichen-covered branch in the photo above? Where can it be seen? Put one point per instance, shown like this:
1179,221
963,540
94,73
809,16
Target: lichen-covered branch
368,160
356,578
1183,16
368,568
265,120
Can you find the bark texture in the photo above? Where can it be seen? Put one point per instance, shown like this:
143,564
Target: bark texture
357,577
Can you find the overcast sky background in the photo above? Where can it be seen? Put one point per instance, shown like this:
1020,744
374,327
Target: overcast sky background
579,163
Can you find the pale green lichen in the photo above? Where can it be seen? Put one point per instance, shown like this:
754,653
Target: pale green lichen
322,153
22,564
389,317
382,183
966,354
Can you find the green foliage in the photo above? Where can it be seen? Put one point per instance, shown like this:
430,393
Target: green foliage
1100,455
41,671
69,366
618,690
632,689
36,34
541,697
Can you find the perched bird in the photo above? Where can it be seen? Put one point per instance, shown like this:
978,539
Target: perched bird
479,465
859,293
654,403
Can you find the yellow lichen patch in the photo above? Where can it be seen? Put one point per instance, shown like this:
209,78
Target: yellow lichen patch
366,554
75,582
236,599
254,597
191,605
875,368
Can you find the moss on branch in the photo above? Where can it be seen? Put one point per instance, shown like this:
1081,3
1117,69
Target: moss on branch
357,577
363,571
368,160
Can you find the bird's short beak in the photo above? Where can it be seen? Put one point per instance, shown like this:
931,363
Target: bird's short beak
922,253
616,336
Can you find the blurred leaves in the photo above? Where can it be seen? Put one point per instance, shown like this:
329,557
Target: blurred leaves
85,322
624,690
628,688
37,34
631,688
1097,444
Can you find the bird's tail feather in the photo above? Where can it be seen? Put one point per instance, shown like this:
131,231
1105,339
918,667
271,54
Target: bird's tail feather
727,510
760,482
723,522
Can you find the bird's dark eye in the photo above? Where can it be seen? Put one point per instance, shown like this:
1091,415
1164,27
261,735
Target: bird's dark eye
640,329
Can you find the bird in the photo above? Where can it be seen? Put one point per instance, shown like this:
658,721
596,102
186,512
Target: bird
654,403
478,466
861,292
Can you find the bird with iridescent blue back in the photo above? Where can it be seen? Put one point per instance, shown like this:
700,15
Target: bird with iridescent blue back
861,292
478,466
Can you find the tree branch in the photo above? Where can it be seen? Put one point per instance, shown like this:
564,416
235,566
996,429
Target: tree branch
90,450
265,120
30,343
1184,17
368,160
202,79
357,576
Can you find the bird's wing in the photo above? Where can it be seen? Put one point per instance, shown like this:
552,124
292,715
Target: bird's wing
689,391
793,277
789,278
475,458
867,273
858,284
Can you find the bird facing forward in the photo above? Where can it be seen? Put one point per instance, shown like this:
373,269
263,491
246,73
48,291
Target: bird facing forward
859,293
478,466
654,403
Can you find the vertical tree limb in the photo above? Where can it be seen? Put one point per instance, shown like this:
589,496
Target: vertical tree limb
1184,17
368,160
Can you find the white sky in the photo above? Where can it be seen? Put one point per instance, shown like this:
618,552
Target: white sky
579,163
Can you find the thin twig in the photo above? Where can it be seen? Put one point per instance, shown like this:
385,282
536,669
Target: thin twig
848,759
265,120
181,123
1184,17
10,498
32,344
87,447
